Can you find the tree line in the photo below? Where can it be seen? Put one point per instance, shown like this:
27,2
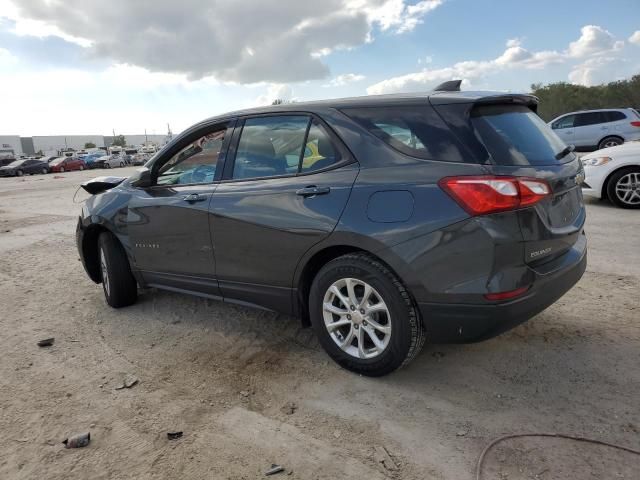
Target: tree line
562,97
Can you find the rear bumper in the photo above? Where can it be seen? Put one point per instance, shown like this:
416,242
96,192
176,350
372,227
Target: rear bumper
461,323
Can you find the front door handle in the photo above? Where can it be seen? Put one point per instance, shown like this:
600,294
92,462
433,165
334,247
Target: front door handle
194,197
312,191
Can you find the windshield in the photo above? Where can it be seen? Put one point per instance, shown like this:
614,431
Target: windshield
514,135
57,161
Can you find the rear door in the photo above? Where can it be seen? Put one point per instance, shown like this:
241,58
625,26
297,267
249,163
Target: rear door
284,191
590,128
520,144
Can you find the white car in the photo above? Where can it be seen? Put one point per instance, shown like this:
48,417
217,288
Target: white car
614,173
109,161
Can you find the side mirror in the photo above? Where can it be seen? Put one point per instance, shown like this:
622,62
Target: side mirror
142,178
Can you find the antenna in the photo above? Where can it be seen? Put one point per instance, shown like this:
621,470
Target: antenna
450,86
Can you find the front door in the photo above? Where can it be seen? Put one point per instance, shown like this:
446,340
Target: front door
284,192
169,222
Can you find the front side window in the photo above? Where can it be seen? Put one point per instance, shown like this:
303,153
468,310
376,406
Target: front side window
564,122
270,146
415,130
196,163
319,151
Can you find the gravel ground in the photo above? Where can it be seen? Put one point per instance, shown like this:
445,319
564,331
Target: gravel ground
250,388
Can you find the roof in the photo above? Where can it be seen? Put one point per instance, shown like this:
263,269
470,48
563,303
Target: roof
438,98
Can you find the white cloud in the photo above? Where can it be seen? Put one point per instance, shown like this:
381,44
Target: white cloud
7,58
635,38
274,91
594,40
252,41
595,47
342,80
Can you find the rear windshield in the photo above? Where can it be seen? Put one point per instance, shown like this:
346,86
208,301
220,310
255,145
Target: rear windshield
413,130
514,135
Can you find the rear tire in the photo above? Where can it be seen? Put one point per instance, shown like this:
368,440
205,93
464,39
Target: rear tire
611,141
45,171
119,285
61,169
81,168
623,188
121,164
387,308
19,173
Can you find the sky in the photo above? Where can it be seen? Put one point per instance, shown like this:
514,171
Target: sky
95,66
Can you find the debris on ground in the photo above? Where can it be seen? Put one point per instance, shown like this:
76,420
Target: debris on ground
382,456
462,432
337,434
289,408
245,393
77,441
47,342
128,382
274,469
174,435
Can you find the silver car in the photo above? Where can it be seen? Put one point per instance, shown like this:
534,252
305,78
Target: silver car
598,128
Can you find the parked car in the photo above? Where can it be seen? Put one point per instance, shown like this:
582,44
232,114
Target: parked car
108,161
614,174
469,226
6,161
66,164
91,157
25,166
140,158
596,129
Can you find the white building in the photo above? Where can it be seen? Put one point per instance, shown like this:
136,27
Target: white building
50,145
10,144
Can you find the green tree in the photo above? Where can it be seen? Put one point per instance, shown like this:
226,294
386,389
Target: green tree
119,141
562,97
89,145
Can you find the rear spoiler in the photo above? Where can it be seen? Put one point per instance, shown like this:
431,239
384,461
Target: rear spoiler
101,184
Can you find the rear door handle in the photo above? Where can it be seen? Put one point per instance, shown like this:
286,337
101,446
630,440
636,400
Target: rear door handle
312,191
194,197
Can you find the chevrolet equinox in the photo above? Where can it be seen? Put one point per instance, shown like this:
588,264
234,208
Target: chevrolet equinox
381,221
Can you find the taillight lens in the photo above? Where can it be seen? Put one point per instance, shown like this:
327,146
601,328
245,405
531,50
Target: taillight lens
635,124
490,194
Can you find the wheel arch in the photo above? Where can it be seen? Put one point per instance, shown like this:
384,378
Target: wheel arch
315,260
605,185
609,136
90,250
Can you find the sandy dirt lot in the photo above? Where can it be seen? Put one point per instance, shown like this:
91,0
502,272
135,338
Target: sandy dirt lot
251,388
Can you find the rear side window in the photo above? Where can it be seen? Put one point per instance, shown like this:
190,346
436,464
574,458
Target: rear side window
514,135
591,118
414,130
614,116
319,151
270,146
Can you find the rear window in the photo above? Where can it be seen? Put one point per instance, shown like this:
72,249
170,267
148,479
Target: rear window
514,135
414,130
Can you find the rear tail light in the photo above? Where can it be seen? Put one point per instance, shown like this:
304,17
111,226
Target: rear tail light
635,124
490,194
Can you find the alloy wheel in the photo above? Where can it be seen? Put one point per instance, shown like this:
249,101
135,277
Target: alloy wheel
357,318
105,272
628,188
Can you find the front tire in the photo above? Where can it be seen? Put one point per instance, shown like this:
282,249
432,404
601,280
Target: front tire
610,142
45,171
623,188
19,173
119,285
363,316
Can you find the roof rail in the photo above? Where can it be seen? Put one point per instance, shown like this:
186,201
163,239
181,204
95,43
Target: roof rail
450,86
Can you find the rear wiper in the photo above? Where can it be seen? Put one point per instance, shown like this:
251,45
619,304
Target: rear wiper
566,151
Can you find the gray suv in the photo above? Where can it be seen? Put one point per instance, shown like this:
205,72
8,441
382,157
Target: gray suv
381,221
596,129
